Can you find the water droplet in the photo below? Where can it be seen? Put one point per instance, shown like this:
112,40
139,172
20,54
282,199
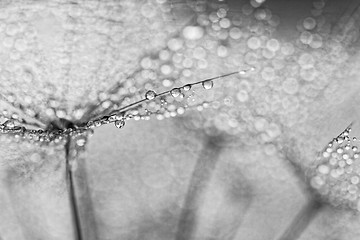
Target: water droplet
97,123
119,116
149,95
9,124
342,163
104,120
349,161
323,169
329,149
326,154
316,182
193,32
175,92
242,96
355,180
187,87
167,83
309,23
14,116
207,84
81,142
112,118
90,124
180,110
254,43
160,117
119,123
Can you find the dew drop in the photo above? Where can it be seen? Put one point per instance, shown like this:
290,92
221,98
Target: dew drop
180,110
175,92
90,124
104,120
349,161
150,95
193,32
120,116
81,142
340,150
326,154
187,87
329,149
112,118
9,124
309,23
119,123
342,163
14,116
323,169
97,123
355,180
207,84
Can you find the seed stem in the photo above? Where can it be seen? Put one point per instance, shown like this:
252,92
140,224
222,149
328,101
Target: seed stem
302,220
72,194
201,176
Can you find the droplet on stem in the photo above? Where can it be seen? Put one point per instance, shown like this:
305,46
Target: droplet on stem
175,92
112,118
149,95
119,123
187,87
207,84
9,124
90,124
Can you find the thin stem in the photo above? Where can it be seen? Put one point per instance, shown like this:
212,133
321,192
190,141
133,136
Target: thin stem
168,92
72,194
79,193
201,176
302,220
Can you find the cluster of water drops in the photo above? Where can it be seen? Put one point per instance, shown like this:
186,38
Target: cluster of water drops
165,104
284,80
336,175
116,105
